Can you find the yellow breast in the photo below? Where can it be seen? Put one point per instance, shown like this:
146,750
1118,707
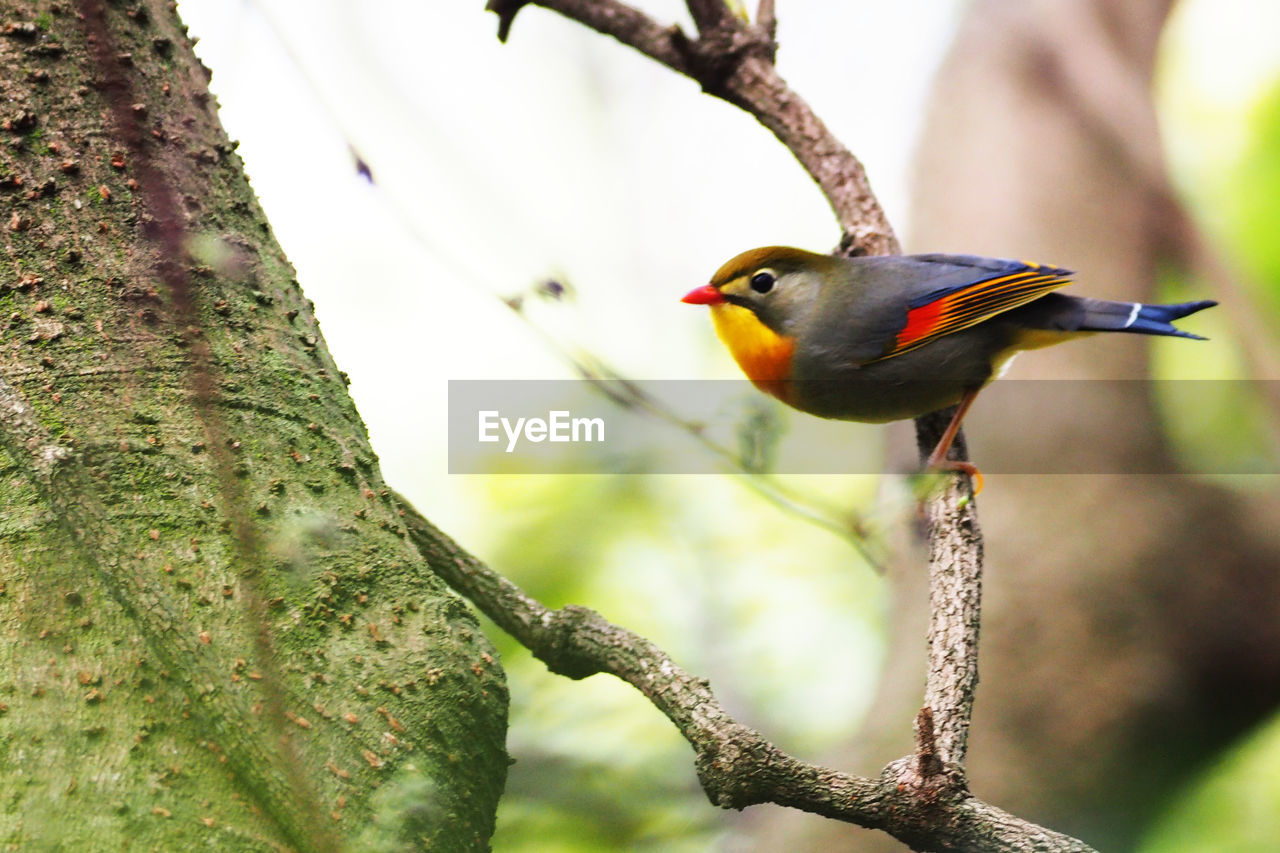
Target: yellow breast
763,355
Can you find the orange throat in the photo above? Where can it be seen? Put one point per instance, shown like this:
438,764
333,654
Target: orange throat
763,355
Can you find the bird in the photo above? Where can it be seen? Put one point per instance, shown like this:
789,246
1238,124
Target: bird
890,337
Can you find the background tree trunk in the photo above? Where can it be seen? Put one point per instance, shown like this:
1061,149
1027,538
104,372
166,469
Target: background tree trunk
217,635
1132,624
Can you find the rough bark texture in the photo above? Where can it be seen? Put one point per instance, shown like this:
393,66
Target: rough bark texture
216,635
955,609
1133,623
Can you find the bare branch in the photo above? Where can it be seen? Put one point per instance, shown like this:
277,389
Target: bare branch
733,60
955,605
710,15
753,84
928,808
626,24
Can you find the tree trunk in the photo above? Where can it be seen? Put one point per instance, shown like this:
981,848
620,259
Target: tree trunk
217,634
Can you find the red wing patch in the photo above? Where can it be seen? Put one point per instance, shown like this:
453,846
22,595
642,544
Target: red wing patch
945,311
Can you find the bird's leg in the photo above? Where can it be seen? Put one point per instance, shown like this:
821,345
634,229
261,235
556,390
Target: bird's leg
938,460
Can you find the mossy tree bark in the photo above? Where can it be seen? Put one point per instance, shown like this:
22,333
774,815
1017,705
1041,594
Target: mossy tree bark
216,635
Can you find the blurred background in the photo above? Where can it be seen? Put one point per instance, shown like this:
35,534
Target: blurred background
1131,658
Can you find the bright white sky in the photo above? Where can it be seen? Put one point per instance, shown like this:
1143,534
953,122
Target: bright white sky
562,153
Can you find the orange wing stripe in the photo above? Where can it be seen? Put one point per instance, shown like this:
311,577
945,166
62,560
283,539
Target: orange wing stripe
972,304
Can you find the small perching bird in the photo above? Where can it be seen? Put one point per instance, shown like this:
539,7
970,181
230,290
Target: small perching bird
892,337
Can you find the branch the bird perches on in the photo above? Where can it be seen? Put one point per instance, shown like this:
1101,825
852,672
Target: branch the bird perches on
921,799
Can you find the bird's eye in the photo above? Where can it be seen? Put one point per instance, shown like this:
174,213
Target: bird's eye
763,281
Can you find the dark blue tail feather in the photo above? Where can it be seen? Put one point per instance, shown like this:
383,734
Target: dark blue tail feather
1103,316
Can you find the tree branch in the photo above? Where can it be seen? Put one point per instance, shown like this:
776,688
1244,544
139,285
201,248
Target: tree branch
710,15
734,60
955,605
734,67
930,810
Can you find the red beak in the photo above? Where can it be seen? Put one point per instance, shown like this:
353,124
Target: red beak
705,295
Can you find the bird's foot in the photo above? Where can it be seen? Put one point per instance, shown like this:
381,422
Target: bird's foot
929,480
966,468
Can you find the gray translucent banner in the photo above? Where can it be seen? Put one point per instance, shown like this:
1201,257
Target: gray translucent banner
1219,427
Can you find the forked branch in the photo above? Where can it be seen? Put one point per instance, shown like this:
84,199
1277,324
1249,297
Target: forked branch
921,799
915,800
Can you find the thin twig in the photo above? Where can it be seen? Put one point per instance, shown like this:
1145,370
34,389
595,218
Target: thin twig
846,523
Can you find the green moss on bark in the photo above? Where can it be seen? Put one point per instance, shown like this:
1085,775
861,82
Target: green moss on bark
215,632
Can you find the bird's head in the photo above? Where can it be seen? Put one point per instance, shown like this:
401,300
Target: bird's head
760,302
779,285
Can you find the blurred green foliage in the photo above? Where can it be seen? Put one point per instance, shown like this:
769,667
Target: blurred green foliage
780,615
1251,204
1227,425
1234,808
1235,805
